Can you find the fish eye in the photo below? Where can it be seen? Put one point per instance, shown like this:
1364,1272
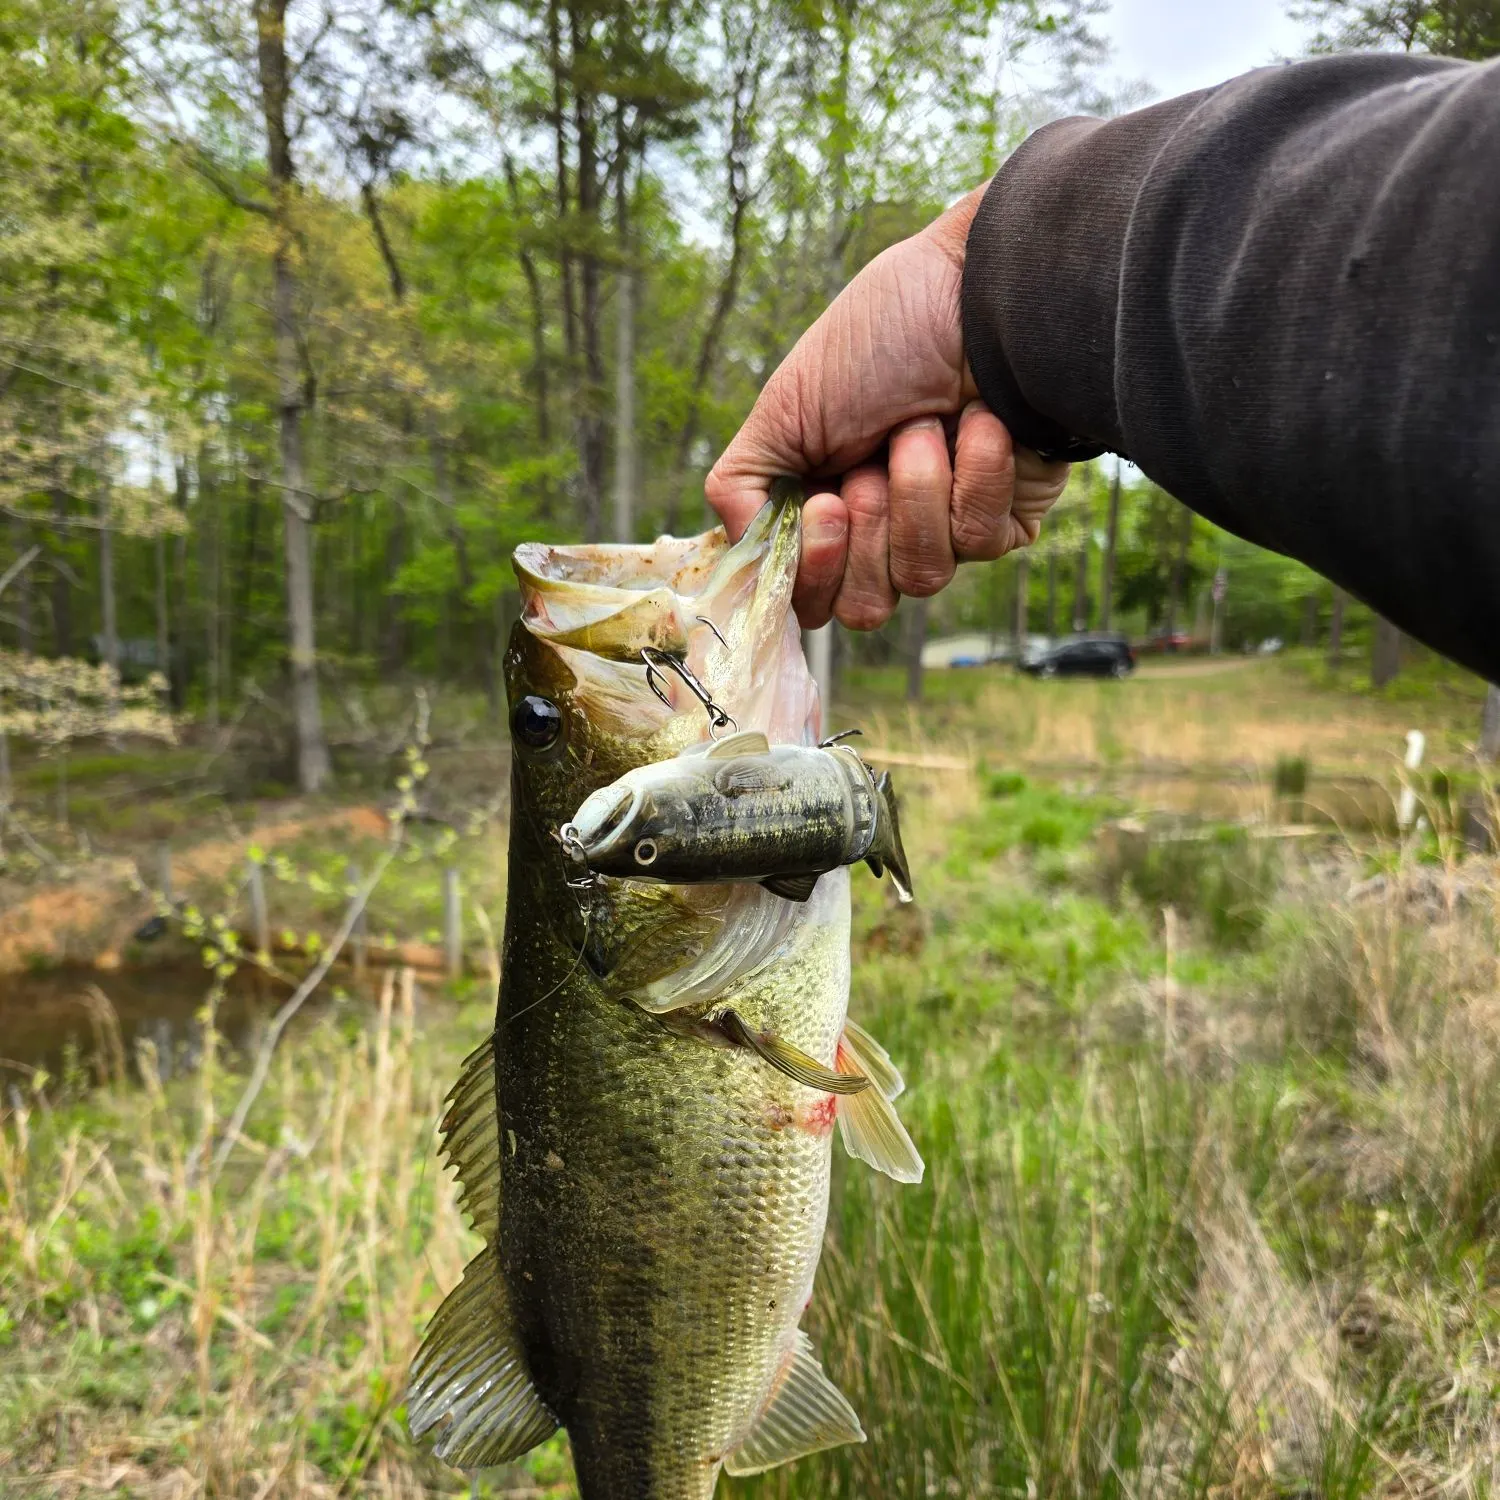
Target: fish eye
536,722
645,852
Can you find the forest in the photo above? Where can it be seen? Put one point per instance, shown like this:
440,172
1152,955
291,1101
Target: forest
314,310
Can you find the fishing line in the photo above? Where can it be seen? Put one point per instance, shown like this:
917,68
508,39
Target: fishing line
587,883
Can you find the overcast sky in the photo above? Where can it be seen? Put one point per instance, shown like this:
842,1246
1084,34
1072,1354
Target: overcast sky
1177,45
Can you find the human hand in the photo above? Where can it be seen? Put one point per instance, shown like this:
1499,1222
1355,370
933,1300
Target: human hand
878,393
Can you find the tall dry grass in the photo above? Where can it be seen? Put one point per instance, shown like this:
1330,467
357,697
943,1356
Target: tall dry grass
253,1328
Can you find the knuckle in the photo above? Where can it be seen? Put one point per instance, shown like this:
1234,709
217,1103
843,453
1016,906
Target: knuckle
921,579
975,542
862,612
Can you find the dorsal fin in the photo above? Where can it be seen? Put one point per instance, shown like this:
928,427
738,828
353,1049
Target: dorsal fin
470,1371
471,1139
868,1122
746,742
806,1414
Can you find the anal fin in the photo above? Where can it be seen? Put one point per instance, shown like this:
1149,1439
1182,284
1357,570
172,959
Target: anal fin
470,1371
868,1122
875,1062
807,1413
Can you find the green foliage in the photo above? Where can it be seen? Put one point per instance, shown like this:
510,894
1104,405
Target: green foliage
1222,877
1289,776
1451,28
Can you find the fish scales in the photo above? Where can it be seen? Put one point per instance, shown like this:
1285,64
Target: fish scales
662,1191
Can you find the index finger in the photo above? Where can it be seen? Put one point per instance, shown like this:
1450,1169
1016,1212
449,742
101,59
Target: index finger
740,482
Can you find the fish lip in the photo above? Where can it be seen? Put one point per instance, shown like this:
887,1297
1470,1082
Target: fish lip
603,823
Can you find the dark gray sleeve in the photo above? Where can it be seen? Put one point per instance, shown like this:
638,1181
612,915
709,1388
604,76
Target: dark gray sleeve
1281,298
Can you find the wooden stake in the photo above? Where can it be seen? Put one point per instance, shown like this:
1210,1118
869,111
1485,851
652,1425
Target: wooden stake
260,922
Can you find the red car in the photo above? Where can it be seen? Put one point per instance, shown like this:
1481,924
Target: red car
1166,640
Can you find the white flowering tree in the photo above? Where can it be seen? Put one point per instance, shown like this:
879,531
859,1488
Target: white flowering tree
53,703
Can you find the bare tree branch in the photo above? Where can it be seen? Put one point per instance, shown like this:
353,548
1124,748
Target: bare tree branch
18,567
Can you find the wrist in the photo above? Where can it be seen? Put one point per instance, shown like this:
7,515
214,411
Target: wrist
949,232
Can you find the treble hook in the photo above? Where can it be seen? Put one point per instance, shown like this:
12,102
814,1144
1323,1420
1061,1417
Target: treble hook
655,657
834,739
718,635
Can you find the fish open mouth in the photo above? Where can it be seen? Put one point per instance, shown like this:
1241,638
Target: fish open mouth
723,609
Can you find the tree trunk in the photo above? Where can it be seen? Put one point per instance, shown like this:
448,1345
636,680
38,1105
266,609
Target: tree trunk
1489,725
1336,629
108,619
591,398
393,625
538,318
210,545
1051,593
737,187
163,657
1385,653
1179,570
312,750
1310,620
1111,539
915,624
62,588
625,434
182,666
1081,587
24,627
1023,605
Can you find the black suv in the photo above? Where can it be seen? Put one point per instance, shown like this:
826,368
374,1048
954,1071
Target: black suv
1083,656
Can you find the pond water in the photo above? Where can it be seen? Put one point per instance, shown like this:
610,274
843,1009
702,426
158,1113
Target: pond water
56,1020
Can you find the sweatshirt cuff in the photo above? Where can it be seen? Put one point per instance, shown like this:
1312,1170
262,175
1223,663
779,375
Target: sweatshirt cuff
1042,277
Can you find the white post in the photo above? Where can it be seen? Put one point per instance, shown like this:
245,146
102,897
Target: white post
1406,807
359,935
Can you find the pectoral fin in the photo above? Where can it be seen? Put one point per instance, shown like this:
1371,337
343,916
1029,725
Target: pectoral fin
807,1413
868,1122
470,1371
792,1061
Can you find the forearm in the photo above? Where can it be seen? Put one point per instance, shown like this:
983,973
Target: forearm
1281,298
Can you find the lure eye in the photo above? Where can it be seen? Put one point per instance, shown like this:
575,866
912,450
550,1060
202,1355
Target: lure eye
645,852
536,722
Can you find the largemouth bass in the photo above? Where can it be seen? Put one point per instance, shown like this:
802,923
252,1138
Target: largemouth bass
635,1142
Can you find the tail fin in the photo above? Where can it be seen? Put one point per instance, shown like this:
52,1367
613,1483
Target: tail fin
886,852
